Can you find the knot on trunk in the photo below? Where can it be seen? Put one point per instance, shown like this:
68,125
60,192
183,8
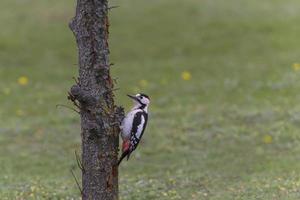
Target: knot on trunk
73,26
81,95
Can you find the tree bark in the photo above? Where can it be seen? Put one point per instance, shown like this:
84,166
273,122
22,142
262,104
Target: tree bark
93,94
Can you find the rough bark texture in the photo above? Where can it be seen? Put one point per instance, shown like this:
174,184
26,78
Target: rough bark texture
94,94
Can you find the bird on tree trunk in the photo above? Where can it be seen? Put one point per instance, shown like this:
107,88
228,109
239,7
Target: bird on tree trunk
134,125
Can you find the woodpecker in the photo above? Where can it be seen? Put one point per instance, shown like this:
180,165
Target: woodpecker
134,124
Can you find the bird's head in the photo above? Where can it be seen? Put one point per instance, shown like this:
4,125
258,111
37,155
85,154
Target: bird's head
140,100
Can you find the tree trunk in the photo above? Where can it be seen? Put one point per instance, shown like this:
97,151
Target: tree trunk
93,94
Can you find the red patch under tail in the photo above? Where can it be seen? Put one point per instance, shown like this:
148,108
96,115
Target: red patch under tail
125,145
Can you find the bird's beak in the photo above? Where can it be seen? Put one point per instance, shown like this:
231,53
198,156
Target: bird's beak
132,97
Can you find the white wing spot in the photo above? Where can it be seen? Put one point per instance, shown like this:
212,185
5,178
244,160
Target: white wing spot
140,128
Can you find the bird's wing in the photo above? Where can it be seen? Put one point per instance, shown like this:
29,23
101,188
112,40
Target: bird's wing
138,128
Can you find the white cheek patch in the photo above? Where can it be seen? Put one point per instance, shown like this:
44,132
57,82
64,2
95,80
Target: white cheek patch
145,101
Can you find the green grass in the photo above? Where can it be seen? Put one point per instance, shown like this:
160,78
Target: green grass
231,132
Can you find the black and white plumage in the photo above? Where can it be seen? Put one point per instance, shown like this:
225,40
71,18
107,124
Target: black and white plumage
134,125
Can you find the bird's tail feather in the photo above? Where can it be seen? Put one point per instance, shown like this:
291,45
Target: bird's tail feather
124,154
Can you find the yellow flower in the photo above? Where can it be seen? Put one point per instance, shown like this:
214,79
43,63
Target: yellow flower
186,76
23,80
296,66
267,139
143,83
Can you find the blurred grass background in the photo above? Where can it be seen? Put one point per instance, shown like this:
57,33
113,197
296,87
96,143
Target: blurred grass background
223,77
